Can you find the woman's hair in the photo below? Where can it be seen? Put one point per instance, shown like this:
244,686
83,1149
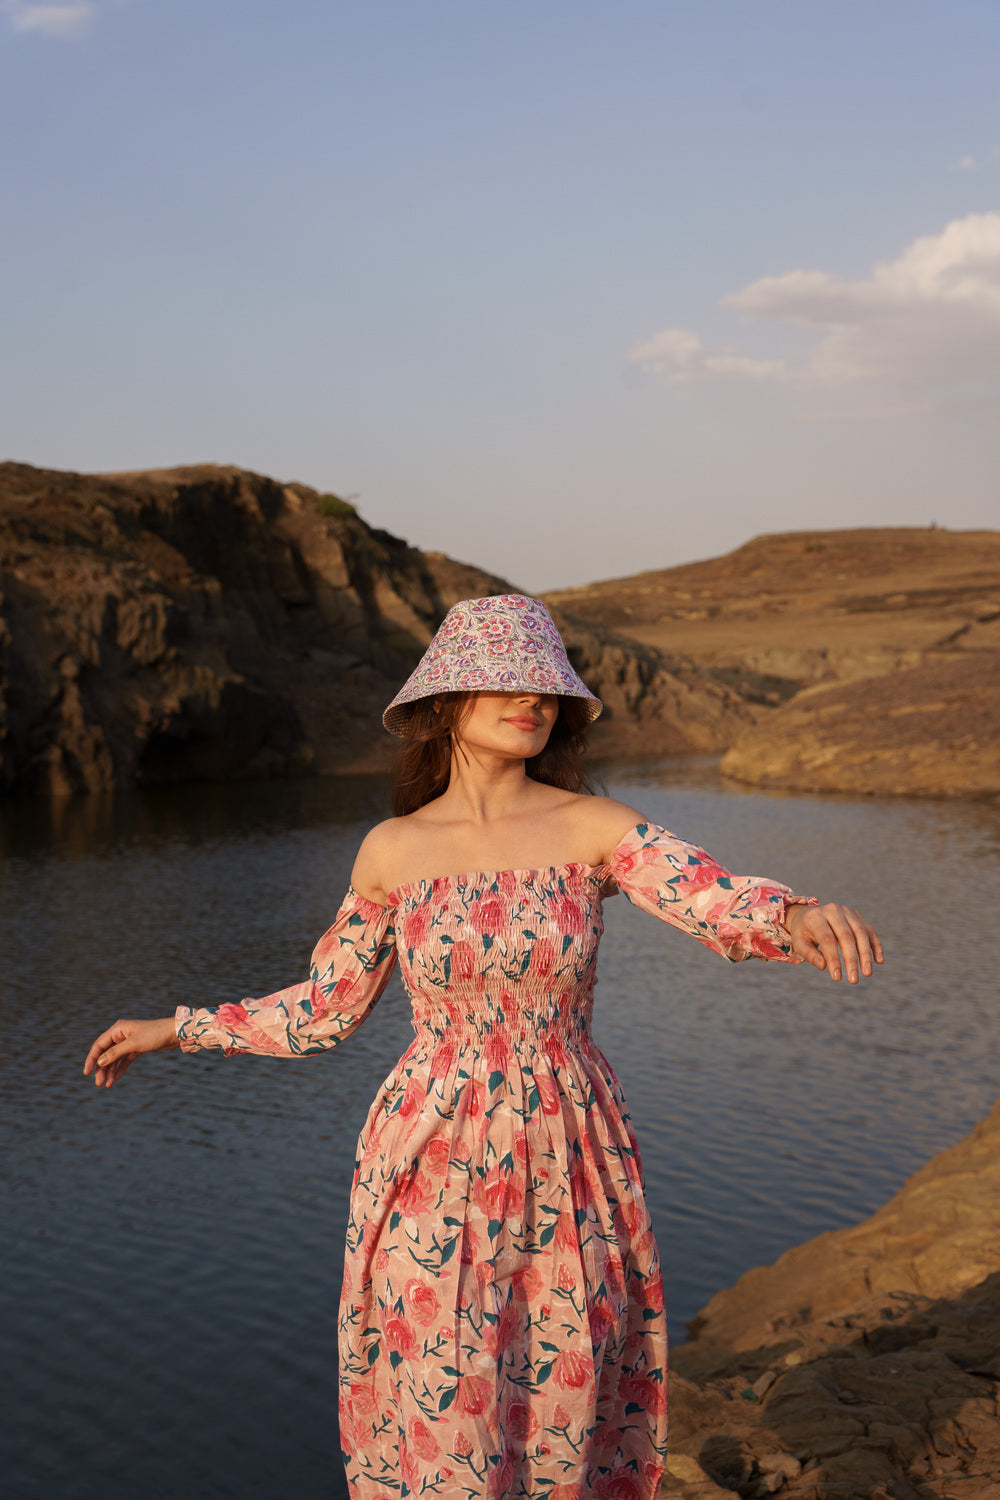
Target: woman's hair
423,766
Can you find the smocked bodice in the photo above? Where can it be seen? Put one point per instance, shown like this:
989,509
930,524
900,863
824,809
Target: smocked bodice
509,953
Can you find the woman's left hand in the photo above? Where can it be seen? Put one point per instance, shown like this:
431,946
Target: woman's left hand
835,938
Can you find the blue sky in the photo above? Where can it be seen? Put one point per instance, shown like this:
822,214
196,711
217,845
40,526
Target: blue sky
566,290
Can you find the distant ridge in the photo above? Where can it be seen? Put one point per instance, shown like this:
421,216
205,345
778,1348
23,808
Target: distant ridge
876,650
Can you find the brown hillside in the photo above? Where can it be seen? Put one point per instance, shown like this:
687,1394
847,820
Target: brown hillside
808,607
910,618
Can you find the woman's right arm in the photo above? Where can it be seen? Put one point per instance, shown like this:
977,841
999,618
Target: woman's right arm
348,971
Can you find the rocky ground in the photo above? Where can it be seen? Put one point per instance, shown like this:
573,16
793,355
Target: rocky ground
863,1365
931,731
873,655
205,623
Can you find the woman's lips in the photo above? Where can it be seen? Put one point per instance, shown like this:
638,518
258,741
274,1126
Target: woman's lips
525,723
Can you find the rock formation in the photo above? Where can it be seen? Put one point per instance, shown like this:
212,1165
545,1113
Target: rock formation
930,731
195,624
205,622
909,618
863,1365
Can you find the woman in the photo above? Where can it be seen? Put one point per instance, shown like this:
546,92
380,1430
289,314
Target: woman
502,1330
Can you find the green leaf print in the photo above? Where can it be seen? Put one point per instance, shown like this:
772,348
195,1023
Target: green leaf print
447,1398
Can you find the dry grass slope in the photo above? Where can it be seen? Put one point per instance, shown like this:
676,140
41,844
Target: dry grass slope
873,653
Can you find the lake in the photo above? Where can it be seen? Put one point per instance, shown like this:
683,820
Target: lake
172,1249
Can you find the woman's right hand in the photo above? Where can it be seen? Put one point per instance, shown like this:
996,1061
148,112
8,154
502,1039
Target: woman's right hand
123,1042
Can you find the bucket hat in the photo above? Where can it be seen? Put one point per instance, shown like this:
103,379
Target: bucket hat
504,643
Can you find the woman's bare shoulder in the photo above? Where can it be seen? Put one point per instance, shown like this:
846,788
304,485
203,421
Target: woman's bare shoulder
608,821
379,848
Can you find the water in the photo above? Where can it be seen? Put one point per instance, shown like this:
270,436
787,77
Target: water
172,1249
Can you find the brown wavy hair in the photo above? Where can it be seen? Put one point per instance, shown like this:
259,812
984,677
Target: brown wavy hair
423,767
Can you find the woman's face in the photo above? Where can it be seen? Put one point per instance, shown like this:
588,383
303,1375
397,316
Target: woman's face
517,725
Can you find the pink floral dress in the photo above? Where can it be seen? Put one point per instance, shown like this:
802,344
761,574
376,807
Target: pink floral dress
502,1331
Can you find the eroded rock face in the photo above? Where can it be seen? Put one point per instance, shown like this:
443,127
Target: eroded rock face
864,1363
205,623
654,703
197,624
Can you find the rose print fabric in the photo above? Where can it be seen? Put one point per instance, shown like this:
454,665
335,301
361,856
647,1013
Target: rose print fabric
502,1331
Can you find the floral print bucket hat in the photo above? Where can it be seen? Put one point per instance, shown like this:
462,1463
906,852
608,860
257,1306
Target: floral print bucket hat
505,643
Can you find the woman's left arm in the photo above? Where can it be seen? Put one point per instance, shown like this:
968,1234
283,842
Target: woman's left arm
739,916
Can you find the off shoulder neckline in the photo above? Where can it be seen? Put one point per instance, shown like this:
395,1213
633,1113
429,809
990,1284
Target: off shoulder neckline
465,876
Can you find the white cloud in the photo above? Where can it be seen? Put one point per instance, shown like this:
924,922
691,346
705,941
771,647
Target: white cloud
682,356
930,317
51,20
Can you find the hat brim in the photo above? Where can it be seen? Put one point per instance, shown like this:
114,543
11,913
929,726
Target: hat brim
398,715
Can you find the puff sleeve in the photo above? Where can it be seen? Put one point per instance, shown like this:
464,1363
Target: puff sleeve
738,916
349,969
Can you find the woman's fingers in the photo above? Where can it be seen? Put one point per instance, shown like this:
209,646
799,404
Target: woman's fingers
840,937
862,943
115,1071
111,1054
119,1046
847,942
866,940
829,946
835,938
105,1040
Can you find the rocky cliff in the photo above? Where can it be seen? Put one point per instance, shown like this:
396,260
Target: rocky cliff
874,653
863,1365
206,622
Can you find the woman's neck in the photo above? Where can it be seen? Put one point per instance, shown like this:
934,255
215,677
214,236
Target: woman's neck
486,788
